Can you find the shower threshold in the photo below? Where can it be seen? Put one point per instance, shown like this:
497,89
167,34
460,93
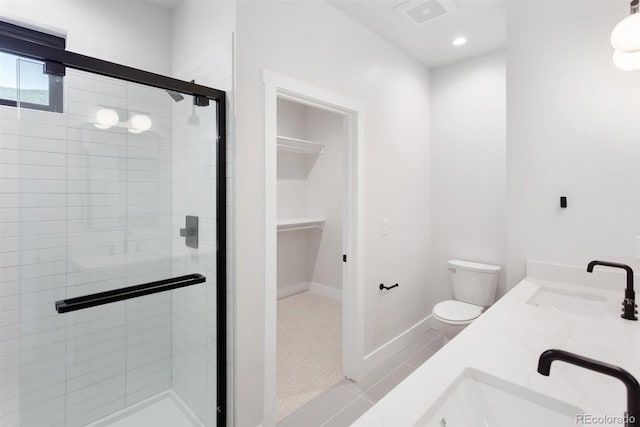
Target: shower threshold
162,410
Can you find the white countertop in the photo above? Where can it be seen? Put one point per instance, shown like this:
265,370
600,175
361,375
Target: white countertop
506,342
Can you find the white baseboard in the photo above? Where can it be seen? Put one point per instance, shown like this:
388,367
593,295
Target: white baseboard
326,291
296,288
387,350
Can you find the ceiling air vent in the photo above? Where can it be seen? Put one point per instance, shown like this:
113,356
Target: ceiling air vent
423,11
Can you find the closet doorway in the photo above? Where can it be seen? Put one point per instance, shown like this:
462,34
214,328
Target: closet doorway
310,177
313,315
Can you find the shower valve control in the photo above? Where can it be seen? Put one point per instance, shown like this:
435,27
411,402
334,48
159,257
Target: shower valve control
190,232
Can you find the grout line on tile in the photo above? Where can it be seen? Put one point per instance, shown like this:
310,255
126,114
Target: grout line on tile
350,391
340,411
364,397
380,380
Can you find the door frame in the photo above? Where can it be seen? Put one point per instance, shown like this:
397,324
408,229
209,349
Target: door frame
281,86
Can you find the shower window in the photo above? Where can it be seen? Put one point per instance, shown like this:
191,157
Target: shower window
24,83
23,80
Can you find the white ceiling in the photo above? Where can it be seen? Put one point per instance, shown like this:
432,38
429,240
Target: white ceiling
481,22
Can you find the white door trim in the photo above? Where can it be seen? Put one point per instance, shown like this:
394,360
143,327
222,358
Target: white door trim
280,86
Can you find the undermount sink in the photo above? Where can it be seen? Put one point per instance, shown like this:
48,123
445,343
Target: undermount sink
477,399
569,302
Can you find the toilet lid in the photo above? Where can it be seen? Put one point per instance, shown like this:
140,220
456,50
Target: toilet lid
457,311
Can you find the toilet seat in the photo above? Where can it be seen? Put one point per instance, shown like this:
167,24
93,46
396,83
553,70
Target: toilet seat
456,312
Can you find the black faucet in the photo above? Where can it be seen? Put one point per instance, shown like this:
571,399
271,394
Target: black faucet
629,303
633,388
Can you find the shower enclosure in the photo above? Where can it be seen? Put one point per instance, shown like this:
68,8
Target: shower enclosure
112,242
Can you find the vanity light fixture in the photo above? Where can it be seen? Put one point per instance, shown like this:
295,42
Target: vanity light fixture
625,39
106,117
140,123
459,41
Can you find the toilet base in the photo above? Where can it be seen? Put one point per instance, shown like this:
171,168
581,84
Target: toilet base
449,331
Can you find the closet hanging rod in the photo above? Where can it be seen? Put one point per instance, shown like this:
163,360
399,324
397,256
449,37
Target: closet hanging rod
121,294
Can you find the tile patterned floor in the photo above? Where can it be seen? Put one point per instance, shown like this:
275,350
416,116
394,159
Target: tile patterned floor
345,402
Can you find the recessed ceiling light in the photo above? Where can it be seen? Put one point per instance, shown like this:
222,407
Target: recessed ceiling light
459,41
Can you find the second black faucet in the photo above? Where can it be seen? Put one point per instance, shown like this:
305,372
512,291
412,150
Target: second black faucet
629,303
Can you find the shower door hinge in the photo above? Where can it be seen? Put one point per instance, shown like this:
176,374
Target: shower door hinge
344,258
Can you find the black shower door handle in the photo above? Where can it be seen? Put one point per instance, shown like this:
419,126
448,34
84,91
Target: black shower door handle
101,298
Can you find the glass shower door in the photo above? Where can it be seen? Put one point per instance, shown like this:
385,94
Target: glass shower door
101,197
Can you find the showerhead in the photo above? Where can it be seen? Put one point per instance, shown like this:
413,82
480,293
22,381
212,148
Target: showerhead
176,96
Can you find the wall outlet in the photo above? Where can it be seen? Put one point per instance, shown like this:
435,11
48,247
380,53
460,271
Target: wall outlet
385,227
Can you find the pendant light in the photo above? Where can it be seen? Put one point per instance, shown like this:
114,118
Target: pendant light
625,39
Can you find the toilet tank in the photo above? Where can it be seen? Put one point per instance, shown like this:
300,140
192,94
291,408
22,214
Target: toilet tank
473,282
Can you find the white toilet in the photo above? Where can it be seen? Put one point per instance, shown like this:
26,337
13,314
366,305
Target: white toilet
474,290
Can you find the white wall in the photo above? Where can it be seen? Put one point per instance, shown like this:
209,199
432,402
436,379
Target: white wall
293,269
468,169
573,131
326,197
109,30
310,186
313,42
292,169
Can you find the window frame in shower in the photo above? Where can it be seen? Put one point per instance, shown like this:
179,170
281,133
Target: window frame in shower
24,42
55,80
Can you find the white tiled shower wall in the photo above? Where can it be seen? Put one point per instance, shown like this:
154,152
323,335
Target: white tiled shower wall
194,169
39,355
83,210
194,308
202,51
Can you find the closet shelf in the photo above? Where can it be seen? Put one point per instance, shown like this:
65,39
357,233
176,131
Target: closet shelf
299,224
300,146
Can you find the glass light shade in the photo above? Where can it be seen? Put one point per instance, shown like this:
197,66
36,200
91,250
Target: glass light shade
626,35
627,61
140,123
106,117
